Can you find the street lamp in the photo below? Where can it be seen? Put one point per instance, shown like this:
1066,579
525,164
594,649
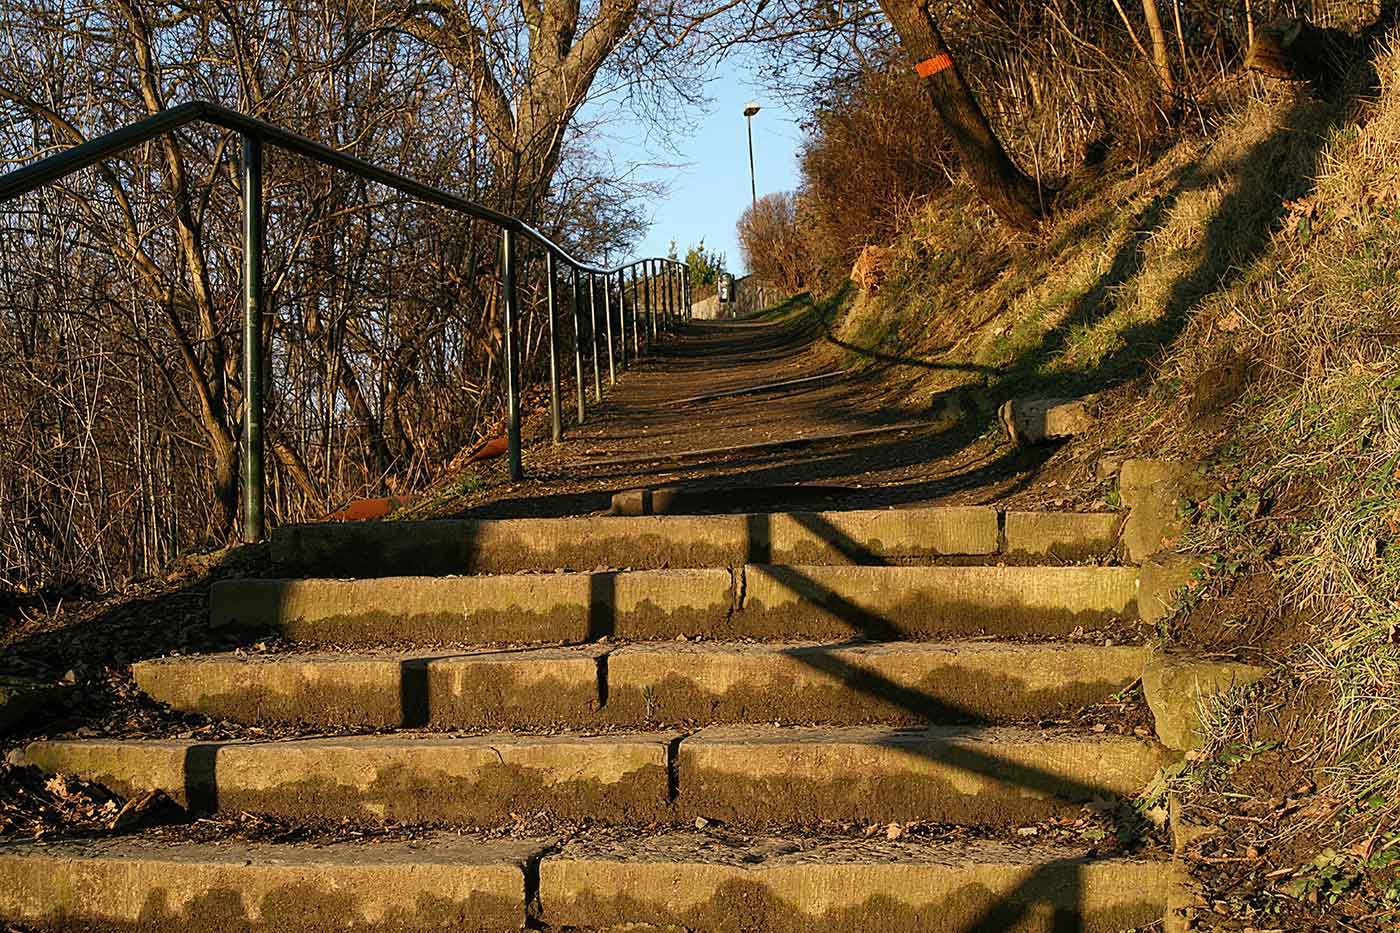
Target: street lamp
750,109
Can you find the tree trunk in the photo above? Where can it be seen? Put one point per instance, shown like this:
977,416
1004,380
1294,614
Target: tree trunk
526,134
1015,197
1160,56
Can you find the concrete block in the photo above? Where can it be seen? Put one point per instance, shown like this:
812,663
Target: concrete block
874,536
1153,491
434,882
1063,535
845,684
21,700
899,603
519,608
1176,684
473,780
454,546
698,882
1161,582
993,776
491,689
1038,420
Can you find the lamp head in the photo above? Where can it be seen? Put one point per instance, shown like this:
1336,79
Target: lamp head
751,108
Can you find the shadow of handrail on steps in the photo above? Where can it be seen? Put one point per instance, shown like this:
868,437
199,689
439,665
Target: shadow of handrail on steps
1059,883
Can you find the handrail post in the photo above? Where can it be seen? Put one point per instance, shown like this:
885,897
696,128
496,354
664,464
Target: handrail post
593,336
664,269
556,416
622,353
650,280
671,296
636,313
254,476
578,344
510,302
608,322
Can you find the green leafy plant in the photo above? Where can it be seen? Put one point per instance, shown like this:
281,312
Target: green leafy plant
1326,878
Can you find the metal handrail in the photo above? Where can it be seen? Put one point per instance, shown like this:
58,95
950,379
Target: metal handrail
255,133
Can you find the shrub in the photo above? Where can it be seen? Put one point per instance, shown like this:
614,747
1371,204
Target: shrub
872,153
772,243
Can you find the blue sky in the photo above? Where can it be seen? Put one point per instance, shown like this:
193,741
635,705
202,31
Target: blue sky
708,179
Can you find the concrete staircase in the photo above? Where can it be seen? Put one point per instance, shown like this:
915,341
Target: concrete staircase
749,675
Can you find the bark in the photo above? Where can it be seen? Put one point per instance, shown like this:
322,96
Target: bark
526,132
1015,197
296,468
1161,58
206,365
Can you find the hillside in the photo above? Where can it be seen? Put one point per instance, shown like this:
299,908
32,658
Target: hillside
1234,302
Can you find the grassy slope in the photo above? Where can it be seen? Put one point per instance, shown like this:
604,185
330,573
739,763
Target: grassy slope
1264,257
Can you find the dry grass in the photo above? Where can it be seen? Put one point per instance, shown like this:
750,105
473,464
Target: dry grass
1274,241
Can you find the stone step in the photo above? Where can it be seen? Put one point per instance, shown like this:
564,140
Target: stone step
510,689
700,882
690,881
755,601
992,776
659,682
514,608
471,781
435,882
459,546
987,776
892,603
844,683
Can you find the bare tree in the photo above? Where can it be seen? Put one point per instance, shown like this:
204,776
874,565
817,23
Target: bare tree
1015,197
532,64
120,392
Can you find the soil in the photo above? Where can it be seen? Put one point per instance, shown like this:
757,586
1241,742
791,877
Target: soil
1265,817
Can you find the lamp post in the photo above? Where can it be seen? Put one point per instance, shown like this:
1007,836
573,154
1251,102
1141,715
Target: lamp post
750,109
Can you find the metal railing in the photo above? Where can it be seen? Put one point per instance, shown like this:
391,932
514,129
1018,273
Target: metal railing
660,292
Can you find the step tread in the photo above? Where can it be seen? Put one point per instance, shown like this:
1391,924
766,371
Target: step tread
438,546
975,775
896,736
756,600
696,881
447,880
750,775
757,851
496,545
409,777
435,881
673,681
871,649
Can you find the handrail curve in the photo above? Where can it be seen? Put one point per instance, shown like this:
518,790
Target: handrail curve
660,294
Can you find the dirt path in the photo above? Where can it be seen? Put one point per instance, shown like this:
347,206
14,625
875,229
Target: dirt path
862,441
